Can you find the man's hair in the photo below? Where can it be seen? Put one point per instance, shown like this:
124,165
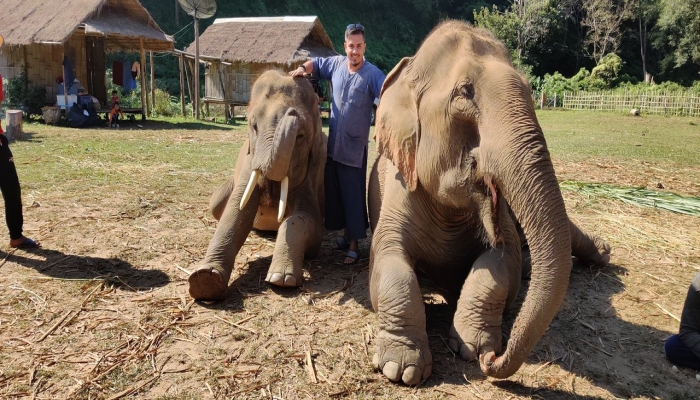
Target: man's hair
114,92
354,29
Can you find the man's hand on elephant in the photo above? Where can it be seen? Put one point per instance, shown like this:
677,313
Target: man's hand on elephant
301,71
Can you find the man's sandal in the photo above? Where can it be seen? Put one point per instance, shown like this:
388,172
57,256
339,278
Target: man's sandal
341,244
351,254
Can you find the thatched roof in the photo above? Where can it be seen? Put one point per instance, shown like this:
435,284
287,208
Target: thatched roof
279,40
122,22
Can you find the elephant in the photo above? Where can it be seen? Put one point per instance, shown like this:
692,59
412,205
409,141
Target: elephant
277,185
463,164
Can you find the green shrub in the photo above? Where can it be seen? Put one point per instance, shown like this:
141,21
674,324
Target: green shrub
22,95
165,105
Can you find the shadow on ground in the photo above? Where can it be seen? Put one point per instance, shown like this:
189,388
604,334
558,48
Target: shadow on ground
116,272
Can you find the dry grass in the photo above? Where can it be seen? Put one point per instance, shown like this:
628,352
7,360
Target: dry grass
102,311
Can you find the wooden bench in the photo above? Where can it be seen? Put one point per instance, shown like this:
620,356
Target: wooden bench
124,110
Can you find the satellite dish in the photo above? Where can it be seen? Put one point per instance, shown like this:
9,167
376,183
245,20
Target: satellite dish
198,9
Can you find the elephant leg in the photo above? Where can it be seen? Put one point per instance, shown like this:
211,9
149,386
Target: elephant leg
210,280
589,248
299,235
402,348
490,288
219,199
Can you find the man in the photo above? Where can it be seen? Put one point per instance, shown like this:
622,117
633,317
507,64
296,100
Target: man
9,184
684,348
356,83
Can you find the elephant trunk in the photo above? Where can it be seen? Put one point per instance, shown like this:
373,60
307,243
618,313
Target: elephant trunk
521,162
274,152
272,159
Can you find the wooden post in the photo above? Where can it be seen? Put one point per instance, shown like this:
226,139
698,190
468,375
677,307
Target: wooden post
153,86
13,124
182,87
65,88
144,101
196,66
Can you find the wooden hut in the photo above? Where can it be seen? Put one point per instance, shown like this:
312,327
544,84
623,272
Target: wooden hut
40,35
236,50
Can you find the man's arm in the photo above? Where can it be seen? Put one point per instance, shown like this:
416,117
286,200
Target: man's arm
690,319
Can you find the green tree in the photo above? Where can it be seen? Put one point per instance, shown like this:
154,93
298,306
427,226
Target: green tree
678,32
522,26
603,20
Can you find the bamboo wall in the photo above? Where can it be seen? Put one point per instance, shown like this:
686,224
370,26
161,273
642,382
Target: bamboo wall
238,79
671,103
44,63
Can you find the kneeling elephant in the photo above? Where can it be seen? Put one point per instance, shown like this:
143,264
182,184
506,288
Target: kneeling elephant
277,185
463,159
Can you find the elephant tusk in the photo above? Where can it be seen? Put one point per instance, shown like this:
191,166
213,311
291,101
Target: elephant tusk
283,198
249,188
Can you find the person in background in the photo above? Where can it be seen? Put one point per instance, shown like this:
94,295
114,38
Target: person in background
683,349
356,83
114,115
11,191
115,98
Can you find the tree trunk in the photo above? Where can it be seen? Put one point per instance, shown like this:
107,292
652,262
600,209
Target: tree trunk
14,124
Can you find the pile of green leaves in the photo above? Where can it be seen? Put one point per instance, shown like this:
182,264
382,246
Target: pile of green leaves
641,197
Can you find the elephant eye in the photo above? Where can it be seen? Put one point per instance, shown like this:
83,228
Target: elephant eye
467,91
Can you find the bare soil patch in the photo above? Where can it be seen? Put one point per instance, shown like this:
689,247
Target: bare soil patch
102,311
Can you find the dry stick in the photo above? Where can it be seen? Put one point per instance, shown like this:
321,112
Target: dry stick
45,267
667,312
134,389
596,347
4,260
45,335
236,324
310,367
543,366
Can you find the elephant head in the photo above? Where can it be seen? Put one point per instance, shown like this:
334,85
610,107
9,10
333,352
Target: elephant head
459,120
284,128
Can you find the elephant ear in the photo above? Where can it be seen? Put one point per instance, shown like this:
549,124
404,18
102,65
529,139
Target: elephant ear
397,129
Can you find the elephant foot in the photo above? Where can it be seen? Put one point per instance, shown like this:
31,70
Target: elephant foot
208,284
471,343
403,357
284,276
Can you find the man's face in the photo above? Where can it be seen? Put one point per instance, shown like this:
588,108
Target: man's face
355,49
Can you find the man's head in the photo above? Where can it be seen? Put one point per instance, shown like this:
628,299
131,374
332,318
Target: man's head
114,92
355,44
116,105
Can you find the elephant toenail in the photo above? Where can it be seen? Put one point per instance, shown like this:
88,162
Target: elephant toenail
290,281
411,376
375,361
391,371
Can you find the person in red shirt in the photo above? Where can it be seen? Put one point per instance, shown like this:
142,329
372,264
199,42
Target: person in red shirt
11,192
114,115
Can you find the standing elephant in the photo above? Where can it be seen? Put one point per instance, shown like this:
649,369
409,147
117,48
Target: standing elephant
277,185
461,149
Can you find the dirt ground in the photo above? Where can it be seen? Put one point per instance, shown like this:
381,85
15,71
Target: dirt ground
103,312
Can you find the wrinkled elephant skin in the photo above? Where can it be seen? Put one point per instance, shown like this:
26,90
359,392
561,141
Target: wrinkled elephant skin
277,185
463,165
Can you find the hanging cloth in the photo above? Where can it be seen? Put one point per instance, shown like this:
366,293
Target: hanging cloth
118,73
69,74
129,82
135,69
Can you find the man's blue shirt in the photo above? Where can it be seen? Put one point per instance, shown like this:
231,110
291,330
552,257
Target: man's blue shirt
353,97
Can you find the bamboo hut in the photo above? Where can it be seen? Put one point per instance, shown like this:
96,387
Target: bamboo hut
40,35
235,51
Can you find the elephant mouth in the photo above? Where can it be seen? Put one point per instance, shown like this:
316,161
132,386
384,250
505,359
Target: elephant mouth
490,189
284,191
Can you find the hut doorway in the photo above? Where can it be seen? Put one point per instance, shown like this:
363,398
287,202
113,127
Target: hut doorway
96,67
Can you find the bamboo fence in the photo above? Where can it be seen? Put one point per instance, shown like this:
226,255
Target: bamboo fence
668,103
